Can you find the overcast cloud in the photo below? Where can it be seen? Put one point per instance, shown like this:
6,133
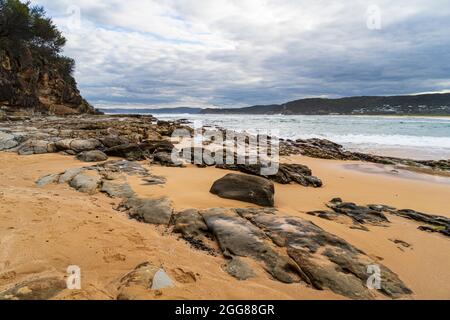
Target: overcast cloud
233,53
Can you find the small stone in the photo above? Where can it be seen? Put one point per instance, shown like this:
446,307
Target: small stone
161,280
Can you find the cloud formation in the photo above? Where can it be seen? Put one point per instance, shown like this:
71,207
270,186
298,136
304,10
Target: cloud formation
233,53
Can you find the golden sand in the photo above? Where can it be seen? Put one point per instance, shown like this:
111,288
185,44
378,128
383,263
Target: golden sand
44,230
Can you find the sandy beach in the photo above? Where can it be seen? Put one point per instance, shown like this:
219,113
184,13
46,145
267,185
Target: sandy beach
45,229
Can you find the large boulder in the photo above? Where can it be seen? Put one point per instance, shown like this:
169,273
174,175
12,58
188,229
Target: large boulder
245,188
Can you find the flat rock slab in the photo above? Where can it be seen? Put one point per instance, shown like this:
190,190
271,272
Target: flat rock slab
69,175
238,237
117,189
48,179
107,176
153,211
36,147
92,156
38,289
78,145
190,223
123,166
245,188
239,269
87,181
375,214
326,260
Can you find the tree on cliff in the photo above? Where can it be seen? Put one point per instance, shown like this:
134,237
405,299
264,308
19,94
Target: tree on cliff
23,26
34,75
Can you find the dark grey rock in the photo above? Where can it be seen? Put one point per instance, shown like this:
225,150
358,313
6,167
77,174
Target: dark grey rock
7,141
165,159
78,145
326,260
238,237
36,147
87,181
112,141
92,156
239,269
48,179
69,175
246,188
190,223
153,211
117,189
286,173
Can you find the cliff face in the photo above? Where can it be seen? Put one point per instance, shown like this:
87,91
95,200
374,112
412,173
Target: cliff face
31,83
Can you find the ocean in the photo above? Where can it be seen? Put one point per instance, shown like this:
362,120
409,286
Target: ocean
412,137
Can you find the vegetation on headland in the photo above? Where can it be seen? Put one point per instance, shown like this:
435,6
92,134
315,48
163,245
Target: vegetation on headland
34,74
418,105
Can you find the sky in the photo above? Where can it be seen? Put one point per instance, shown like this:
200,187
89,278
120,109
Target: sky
235,53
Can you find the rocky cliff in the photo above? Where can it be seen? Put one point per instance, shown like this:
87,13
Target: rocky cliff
31,83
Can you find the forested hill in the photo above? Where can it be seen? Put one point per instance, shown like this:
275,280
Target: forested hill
425,104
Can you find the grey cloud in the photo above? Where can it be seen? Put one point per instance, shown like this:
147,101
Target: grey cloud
235,53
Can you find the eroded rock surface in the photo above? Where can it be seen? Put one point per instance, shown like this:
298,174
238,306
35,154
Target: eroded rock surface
129,137
325,149
36,289
238,237
375,215
326,260
153,211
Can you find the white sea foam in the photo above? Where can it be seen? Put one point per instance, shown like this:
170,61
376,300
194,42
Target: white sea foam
416,137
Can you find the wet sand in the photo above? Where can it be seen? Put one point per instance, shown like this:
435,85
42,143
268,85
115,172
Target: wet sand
44,230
